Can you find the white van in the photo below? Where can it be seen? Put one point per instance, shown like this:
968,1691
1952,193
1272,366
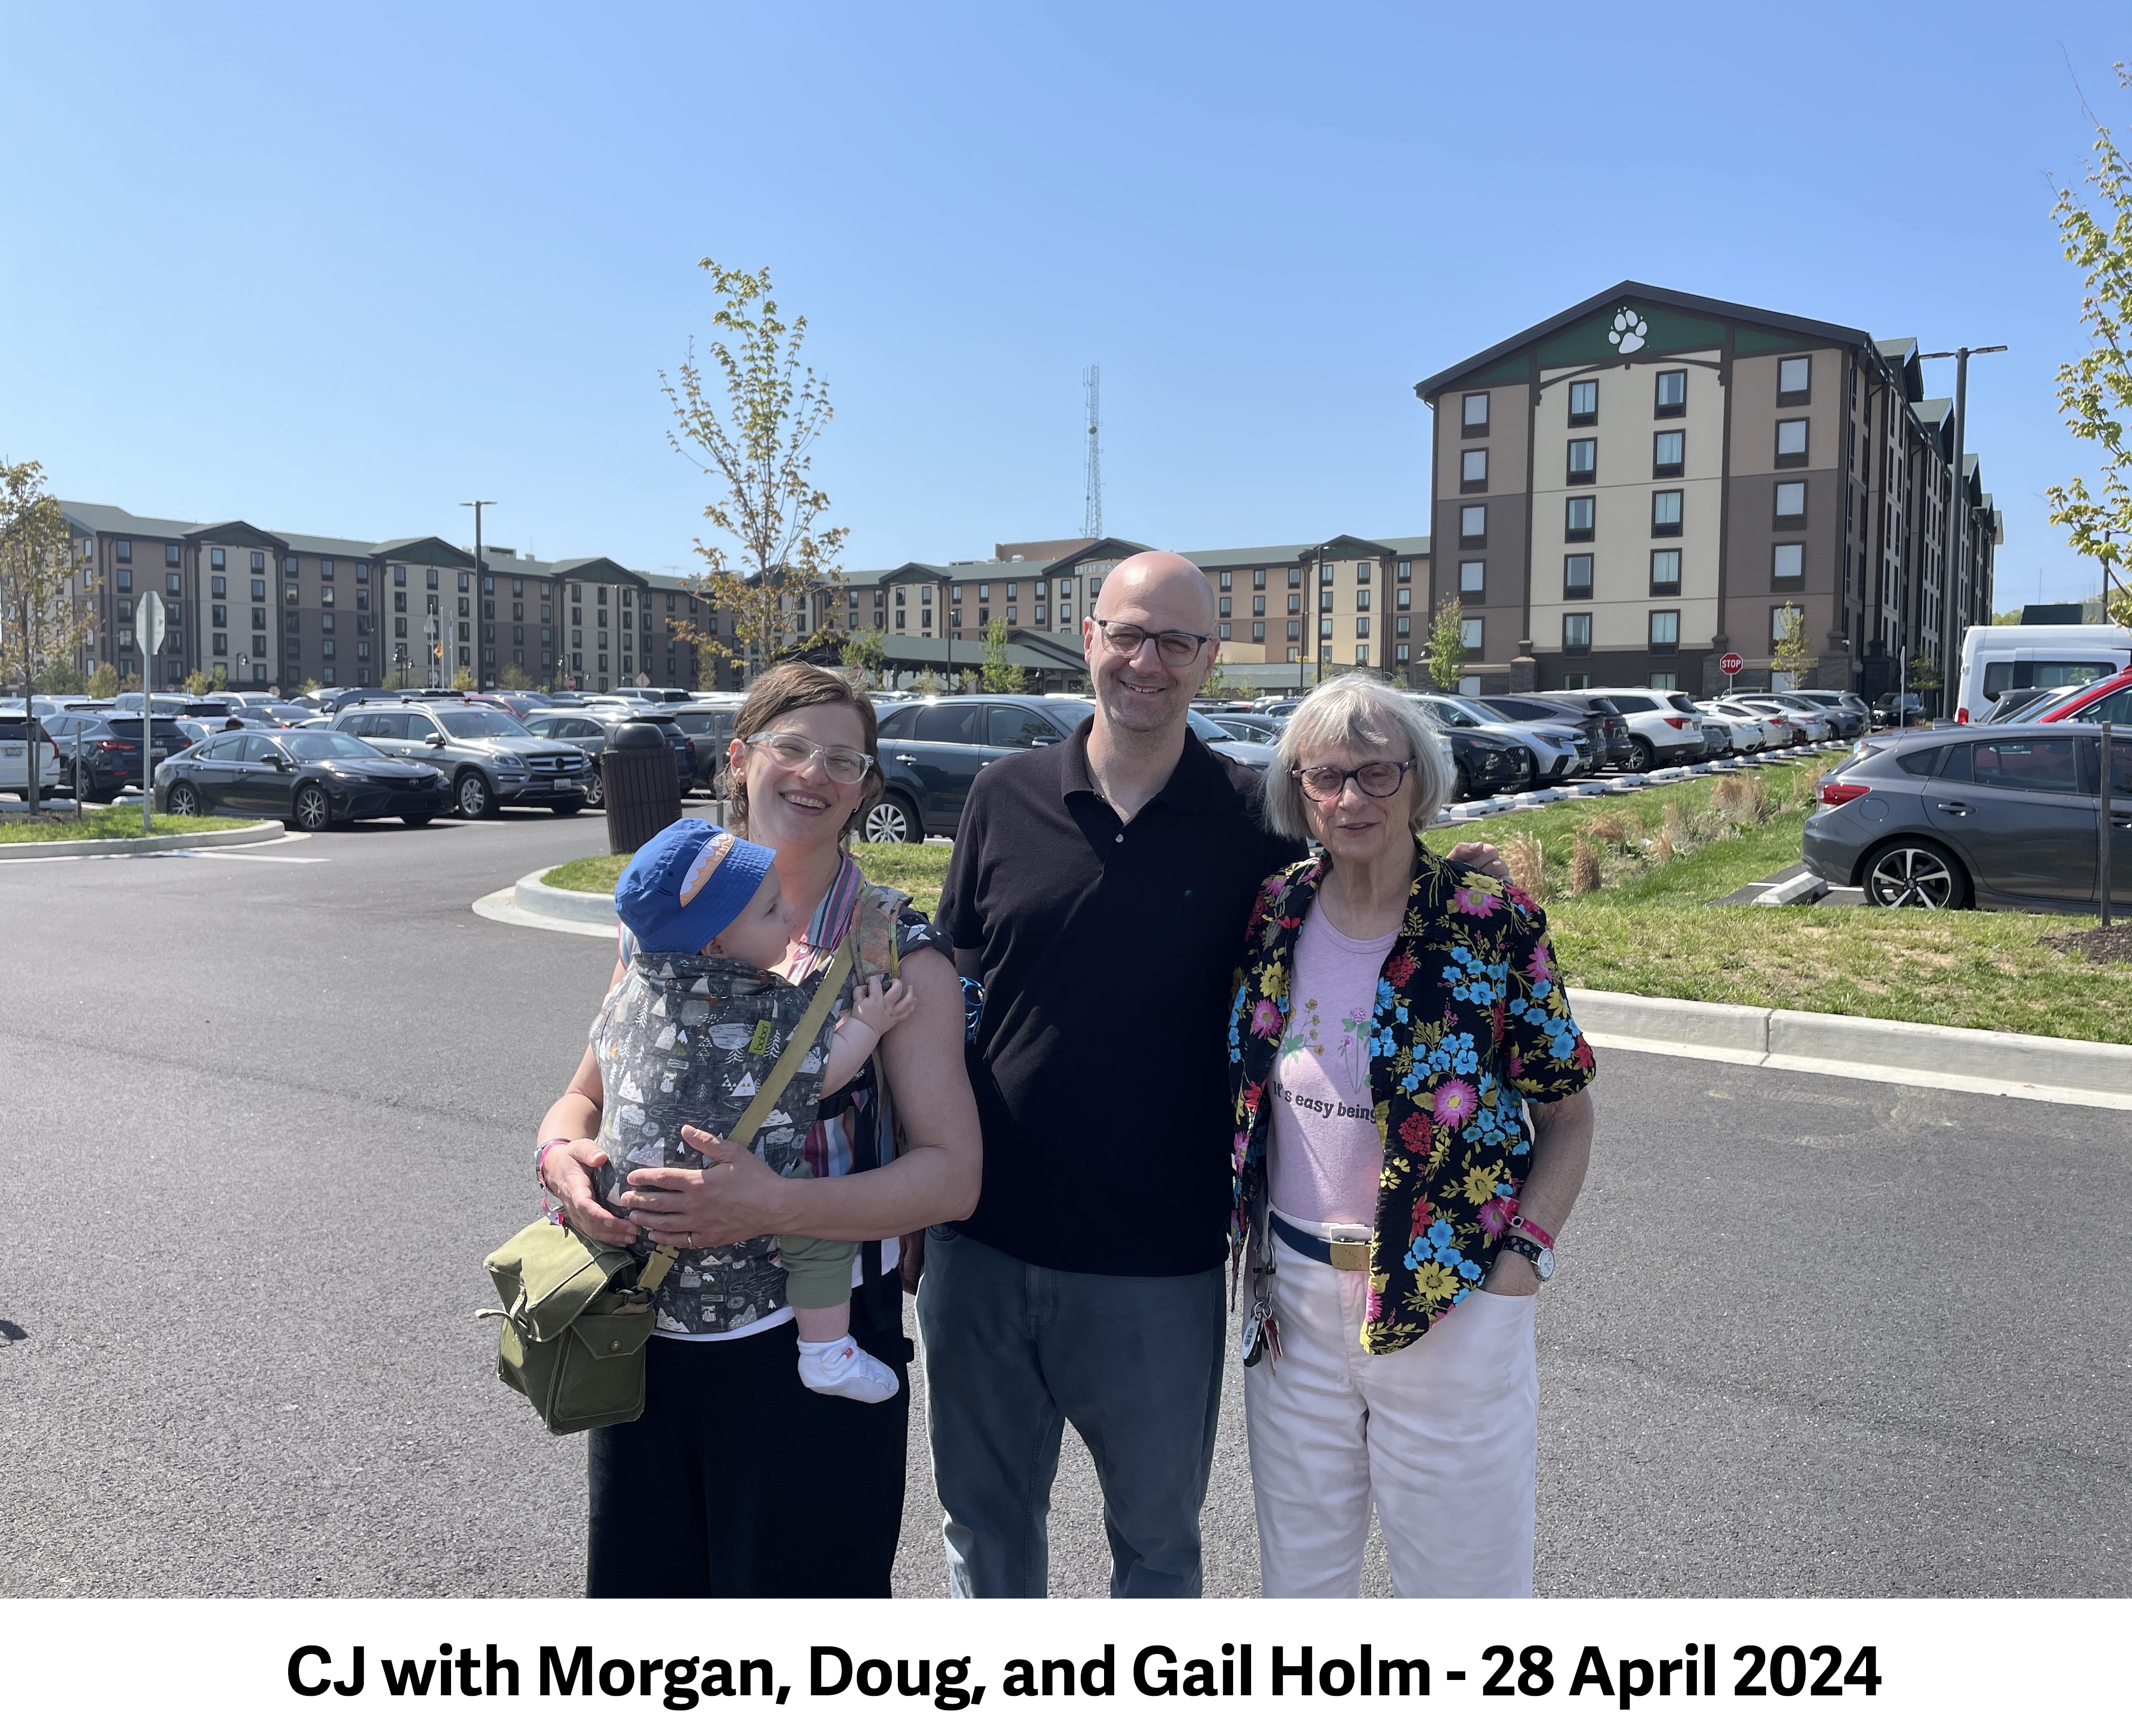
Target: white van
1996,660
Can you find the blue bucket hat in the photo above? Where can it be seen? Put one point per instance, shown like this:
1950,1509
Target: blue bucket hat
685,886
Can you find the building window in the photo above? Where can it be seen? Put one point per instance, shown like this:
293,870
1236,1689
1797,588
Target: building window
1225,608
1791,442
124,580
1473,468
170,555
1669,450
1228,580
1362,657
1258,632
1258,605
1575,683
1583,460
259,589
1583,403
1402,626
1788,567
899,621
1794,380
1671,392
1258,582
1782,620
1473,577
1472,527
1220,629
1577,575
1010,612
218,560
1469,633
1294,630
1363,600
1576,635
288,565
258,560
1405,570
1665,512
1791,505
124,548
1580,514
217,584
1473,416
1665,632
1294,577
1665,572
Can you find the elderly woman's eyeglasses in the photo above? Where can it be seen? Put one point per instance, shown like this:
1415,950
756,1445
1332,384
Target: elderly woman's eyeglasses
1379,777
1176,649
791,752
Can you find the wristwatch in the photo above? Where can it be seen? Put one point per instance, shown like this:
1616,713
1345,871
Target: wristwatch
1542,1258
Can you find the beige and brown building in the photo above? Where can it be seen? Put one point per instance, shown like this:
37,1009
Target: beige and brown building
1624,492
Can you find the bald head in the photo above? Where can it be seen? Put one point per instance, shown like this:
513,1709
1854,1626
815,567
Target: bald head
1163,589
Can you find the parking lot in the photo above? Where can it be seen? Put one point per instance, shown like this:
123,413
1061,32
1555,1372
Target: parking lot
1807,1338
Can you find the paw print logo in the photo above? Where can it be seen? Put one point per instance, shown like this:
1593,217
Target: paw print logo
1629,331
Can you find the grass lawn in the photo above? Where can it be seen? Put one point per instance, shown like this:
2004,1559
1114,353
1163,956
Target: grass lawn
917,869
118,823
1650,928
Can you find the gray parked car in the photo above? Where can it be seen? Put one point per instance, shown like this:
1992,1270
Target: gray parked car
490,759
2004,816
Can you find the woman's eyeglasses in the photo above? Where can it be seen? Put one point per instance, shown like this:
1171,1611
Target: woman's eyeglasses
791,752
1379,777
1175,649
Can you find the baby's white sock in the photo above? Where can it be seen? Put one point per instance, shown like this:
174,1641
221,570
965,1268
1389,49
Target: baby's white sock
840,1369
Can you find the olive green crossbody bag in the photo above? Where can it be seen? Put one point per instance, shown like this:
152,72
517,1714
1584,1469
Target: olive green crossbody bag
578,1313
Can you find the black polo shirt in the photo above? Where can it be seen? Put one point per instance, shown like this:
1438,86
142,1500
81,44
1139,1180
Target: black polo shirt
1102,1066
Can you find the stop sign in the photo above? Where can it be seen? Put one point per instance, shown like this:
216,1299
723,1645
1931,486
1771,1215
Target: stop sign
1731,663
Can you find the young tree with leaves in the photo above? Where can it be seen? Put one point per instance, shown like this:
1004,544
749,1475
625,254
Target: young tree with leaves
1793,657
1446,645
751,425
860,655
39,616
2094,390
996,674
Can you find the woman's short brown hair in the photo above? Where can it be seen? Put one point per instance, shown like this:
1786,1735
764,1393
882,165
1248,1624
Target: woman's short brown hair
793,687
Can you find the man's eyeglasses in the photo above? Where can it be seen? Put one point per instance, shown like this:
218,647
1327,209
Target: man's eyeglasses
789,752
1175,649
1379,777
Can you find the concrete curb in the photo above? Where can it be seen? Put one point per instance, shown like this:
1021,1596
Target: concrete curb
266,831
1998,1062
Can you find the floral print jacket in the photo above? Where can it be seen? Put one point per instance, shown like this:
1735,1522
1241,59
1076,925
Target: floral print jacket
1470,1025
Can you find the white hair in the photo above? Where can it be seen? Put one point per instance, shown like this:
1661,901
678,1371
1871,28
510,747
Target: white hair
1361,712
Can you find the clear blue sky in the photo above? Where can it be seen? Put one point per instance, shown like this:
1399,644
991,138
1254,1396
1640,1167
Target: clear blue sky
337,269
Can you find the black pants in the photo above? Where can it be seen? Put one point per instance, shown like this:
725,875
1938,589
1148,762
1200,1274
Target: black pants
737,1481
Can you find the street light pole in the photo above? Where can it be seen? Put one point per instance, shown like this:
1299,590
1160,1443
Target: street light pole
480,565
1950,654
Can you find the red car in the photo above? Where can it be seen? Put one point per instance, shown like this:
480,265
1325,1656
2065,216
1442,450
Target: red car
2108,701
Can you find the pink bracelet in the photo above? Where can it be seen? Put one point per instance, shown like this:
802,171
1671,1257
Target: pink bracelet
1526,1226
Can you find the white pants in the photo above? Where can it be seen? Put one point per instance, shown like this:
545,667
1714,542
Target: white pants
1442,1435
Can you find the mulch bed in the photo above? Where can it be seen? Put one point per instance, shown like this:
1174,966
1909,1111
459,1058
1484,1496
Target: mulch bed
2109,946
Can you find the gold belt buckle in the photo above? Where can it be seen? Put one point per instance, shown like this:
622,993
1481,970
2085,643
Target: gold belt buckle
1350,1256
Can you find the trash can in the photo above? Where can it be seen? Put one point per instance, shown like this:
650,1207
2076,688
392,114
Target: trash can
643,789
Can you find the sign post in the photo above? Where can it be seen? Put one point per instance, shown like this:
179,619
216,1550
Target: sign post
148,634
1731,663
2102,851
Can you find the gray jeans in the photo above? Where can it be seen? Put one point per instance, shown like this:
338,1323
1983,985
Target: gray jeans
1013,1352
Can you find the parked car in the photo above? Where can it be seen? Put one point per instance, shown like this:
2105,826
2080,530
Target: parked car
1664,728
2108,700
661,696
1245,727
521,702
1601,710
491,758
1589,726
1899,711
314,779
1805,724
1850,714
709,729
1747,731
2001,815
165,736
1555,752
108,762
347,696
27,756
1994,658
590,729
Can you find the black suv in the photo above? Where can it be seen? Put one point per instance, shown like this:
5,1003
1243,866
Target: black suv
490,759
1601,710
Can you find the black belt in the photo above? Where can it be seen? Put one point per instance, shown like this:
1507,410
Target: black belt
1341,1256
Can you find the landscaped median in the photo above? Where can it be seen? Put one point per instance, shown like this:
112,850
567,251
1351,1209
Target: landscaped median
917,869
117,831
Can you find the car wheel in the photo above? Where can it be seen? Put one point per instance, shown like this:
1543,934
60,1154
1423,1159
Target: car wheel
892,820
1906,874
416,819
1462,786
472,795
1638,758
183,801
596,791
313,809
564,809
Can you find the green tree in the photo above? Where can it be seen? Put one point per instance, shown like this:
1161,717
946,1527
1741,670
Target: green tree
2094,390
1925,674
928,683
40,615
514,677
103,681
859,654
1446,645
198,684
57,675
1793,657
462,681
752,430
996,674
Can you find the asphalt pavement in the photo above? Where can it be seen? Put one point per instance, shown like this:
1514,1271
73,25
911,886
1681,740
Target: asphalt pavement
1809,1336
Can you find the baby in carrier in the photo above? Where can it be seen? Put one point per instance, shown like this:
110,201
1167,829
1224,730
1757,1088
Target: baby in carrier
688,1040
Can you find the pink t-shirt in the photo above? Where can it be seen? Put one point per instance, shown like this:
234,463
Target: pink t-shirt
1325,1154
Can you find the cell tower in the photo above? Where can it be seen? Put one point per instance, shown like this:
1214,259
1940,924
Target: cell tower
1091,509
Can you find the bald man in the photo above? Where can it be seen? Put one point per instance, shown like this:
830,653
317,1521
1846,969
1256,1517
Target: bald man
1100,891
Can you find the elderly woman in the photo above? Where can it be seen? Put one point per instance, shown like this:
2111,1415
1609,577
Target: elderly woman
1412,1131
738,1481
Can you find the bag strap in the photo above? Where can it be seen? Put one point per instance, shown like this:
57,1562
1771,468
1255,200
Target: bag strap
661,1262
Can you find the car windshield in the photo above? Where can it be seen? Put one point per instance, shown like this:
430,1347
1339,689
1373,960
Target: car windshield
2033,707
1485,712
325,744
470,724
